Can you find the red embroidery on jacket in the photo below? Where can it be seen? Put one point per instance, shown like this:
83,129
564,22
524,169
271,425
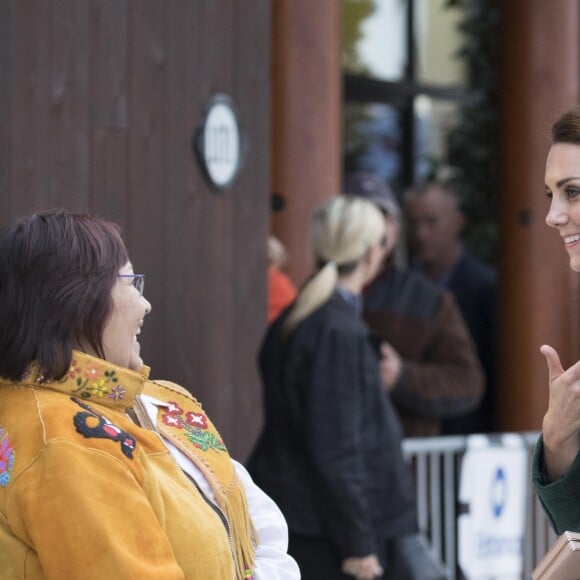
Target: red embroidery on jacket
194,425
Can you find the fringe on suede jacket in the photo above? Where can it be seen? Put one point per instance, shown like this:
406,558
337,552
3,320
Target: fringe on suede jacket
87,493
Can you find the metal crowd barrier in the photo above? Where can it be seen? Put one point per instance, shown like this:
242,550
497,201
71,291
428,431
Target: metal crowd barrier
436,463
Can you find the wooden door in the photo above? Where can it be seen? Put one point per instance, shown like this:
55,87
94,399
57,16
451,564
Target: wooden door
99,100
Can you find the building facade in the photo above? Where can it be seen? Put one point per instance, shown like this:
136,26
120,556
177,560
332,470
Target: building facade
100,103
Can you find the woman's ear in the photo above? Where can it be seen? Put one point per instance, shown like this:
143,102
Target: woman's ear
368,261
368,255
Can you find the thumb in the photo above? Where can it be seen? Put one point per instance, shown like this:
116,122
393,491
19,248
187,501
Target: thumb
555,368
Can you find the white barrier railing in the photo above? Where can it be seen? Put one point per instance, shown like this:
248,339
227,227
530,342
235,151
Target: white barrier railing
436,465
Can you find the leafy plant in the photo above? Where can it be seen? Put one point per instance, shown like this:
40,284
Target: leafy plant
472,160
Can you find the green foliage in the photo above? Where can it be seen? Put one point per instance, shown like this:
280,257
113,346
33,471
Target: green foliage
354,140
472,160
470,164
353,14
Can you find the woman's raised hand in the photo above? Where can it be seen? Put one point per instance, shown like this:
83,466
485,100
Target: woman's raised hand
561,425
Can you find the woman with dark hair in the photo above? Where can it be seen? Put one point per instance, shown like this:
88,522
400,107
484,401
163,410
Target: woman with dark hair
330,451
105,473
556,469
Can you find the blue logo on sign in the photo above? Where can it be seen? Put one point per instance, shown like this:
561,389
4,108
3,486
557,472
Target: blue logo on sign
498,492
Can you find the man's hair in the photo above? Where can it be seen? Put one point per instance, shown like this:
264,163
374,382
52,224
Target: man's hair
372,188
57,271
420,189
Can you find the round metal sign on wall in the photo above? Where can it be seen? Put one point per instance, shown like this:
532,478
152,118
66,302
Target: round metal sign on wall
218,142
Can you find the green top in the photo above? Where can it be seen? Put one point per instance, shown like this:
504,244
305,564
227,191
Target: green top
560,498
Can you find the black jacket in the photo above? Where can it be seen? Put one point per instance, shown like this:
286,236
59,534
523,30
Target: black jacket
474,285
330,451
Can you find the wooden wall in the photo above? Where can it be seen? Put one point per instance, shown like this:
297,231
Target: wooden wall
99,100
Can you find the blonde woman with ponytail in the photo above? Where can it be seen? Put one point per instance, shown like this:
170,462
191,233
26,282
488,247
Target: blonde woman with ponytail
330,453
344,234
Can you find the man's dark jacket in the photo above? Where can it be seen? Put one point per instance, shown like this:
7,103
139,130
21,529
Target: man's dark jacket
330,451
474,286
441,375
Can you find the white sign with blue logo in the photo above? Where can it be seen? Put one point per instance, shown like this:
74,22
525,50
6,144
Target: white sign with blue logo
492,491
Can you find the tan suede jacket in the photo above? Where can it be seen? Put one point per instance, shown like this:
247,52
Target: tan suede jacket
85,493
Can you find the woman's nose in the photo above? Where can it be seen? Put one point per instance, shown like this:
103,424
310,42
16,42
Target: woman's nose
147,305
557,214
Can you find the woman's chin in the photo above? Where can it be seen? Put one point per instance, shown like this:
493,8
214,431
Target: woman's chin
136,363
575,263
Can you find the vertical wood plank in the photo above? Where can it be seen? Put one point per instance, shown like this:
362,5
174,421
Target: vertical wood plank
108,109
66,146
214,224
184,245
147,163
6,23
251,210
29,97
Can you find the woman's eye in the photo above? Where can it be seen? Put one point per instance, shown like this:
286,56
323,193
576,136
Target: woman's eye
548,194
572,192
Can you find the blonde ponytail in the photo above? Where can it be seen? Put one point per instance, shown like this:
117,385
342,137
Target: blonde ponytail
313,295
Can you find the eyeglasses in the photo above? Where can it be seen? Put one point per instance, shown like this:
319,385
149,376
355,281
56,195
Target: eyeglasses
138,280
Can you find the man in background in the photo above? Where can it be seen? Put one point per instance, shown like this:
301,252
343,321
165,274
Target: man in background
428,361
435,224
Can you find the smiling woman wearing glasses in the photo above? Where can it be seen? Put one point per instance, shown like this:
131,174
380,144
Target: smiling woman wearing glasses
105,473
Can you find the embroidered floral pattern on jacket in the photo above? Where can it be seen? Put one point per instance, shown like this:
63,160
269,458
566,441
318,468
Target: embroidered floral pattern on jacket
7,456
74,369
104,429
95,381
195,426
86,378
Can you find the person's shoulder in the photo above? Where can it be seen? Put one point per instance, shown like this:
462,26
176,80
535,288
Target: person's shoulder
22,428
54,424
281,292
169,392
339,327
477,268
333,318
164,386
416,283
41,408
280,281
337,312
404,291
